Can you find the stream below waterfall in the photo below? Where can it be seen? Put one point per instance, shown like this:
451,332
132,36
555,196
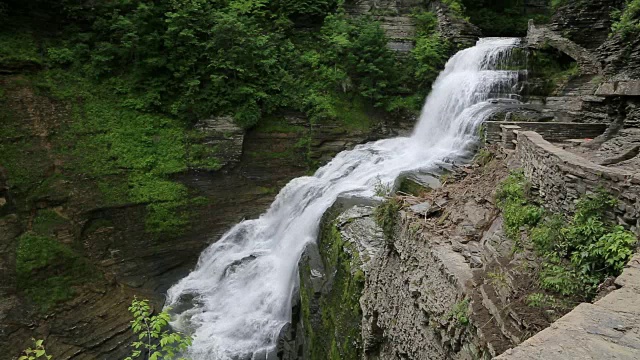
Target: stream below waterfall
238,298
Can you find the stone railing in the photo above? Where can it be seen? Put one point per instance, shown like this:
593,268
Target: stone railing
552,131
562,178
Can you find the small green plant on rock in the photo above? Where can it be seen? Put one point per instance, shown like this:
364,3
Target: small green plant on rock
498,279
512,199
381,189
36,352
386,216
483,157
540,300
155,341
460,313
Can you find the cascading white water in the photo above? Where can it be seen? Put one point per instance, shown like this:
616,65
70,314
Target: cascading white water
238,298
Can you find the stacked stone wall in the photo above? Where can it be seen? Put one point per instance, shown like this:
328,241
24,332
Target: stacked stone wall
562,178
552,131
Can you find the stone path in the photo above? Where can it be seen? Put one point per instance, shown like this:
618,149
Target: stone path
607,329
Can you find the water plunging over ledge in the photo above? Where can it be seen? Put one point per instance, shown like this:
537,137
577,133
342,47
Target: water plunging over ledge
238,298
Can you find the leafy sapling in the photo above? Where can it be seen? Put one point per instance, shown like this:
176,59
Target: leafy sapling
155,341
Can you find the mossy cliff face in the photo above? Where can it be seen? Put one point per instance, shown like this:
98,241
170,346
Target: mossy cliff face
331,284
97,212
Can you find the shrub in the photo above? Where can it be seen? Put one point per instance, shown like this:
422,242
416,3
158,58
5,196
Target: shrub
155,340
36,352
511,198
579,253
483,157
460,313
539,300
627,21
386,215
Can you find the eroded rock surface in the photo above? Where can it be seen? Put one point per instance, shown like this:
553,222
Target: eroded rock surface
223,137
428,295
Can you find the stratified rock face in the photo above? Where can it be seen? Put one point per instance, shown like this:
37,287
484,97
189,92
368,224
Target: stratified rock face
407,298
587,23
223,138
395,19
621,58
428,296
9,230
455,29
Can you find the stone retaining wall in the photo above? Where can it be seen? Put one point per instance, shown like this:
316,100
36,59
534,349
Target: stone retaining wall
562,178
552,131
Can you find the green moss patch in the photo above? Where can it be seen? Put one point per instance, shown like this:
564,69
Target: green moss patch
47,221
18,51
334,332
48,272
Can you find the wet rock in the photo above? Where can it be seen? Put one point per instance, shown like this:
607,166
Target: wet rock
587,23
223,137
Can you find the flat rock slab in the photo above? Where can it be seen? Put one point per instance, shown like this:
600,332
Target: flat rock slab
588,332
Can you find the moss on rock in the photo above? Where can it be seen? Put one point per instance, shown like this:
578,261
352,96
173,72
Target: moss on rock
332,316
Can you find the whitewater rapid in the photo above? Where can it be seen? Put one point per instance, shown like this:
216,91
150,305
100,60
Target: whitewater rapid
238,298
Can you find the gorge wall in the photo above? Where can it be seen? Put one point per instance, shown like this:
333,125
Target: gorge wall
126,259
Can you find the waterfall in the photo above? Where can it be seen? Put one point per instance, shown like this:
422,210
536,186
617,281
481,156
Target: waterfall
238,298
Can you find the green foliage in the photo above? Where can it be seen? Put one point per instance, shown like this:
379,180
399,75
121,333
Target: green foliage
557,3
512,200
551,69
627,21
47,270
430,54
580,253
540,300
498,279
460,313
483,157
426,22
36,352
197,58
501,17
386,215
456,6
108,139
46,221
513,189
381,189
155,341
333,329
19,50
